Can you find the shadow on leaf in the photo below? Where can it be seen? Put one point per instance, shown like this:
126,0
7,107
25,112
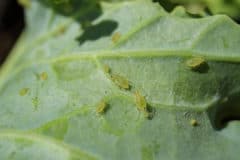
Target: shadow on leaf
94,32
226,111
84,12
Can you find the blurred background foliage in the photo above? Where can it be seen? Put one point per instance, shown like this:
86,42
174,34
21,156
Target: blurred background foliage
229,7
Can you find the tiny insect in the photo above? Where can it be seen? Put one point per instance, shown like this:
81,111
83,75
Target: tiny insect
195,63
116,36
43,76
35,102
25,3
60,31
106,68
140,102
102,107
60,1
120,81
23,91
194,122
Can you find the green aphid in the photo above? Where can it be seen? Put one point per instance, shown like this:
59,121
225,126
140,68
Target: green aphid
106,68
101,107
120,81
61,30
23,91
140,102
194,122
43,76
116,37
196,63
24,3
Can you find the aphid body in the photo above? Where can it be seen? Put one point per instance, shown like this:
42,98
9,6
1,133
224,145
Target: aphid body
195,63
120,81
101,107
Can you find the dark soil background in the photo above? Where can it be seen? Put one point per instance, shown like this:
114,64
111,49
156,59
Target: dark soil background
11,25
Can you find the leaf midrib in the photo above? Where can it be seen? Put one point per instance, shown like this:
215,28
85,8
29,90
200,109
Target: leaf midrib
122,54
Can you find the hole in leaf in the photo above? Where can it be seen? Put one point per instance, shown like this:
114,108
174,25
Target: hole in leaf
228,110
94,32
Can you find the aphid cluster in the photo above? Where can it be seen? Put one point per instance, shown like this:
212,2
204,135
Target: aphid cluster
43,76
194,122
123,83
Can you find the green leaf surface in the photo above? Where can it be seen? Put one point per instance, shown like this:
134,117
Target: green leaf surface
61,70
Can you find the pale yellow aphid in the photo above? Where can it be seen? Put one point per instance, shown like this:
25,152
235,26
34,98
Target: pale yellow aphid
120,81
194,122
101,107
60,31
106,68
23,91
43,76
140,102
25,3
195,62
116,36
